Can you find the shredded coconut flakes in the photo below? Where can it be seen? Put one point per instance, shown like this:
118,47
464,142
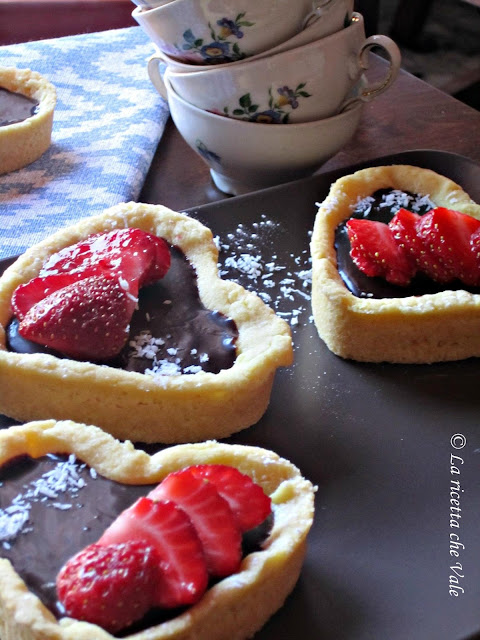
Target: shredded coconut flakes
63,479
249,257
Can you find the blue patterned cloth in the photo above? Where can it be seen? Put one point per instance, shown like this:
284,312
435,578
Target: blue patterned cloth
107,124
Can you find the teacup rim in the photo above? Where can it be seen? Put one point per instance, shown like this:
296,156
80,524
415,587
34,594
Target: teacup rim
252,60
152,9
162,6
348,111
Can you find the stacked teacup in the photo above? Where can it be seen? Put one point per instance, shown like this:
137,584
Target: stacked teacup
265,91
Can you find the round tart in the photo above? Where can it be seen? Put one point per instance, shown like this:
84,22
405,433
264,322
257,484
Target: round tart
136,406
432,327
23,142
237,606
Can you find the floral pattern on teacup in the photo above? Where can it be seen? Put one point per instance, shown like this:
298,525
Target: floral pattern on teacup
220,48
277,112
204,151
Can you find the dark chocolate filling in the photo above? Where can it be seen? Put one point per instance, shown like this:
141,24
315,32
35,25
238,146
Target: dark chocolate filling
54,532
64,518
382,206
185,335
15,107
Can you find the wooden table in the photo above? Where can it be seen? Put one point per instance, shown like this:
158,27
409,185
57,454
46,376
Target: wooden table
409,115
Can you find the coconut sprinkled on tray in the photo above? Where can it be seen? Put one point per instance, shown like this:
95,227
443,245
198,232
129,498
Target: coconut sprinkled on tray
248,256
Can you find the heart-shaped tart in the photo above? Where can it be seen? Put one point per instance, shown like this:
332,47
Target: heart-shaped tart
70,502
27,103
201,353
395,270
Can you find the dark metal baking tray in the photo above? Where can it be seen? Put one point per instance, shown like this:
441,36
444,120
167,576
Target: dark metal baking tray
377,440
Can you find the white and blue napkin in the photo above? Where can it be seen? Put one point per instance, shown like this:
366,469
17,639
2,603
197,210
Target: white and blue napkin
107,124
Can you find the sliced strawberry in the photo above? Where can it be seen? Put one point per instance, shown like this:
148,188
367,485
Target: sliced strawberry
211,516
376,253
167,528
160,263
475,246
28,294
136,258
248,501
404,227
132,254
87,319
112,586
447,239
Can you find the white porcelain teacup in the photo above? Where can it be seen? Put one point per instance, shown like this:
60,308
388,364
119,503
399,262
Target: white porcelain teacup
216,31
246,156
326,20
299,85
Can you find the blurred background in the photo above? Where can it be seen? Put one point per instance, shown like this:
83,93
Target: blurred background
439,39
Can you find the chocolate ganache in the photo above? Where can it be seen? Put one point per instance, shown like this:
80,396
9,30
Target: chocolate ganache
54,506
15,107
171,332
382,206
50,508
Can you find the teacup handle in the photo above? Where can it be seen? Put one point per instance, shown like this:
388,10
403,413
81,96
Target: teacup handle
395,58
153,67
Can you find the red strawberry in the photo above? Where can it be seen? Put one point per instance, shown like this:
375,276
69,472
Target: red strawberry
135,257
376,253
475,246
28,294
160,263
87,319
211,516
446,235
168,529
404,227
132,254
112,586
249,503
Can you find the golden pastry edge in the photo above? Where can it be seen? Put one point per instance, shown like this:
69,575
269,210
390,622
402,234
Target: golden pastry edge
431,328
236,607
135,406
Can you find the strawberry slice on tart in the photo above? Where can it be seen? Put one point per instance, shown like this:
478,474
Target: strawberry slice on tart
183,533
404,228
447,237
131,253
83,299
248,501
375,251
112,586
211,516
167,528
441,244
86,319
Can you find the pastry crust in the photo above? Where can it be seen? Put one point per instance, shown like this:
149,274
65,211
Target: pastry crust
423,329
23,142
135,406
234,608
